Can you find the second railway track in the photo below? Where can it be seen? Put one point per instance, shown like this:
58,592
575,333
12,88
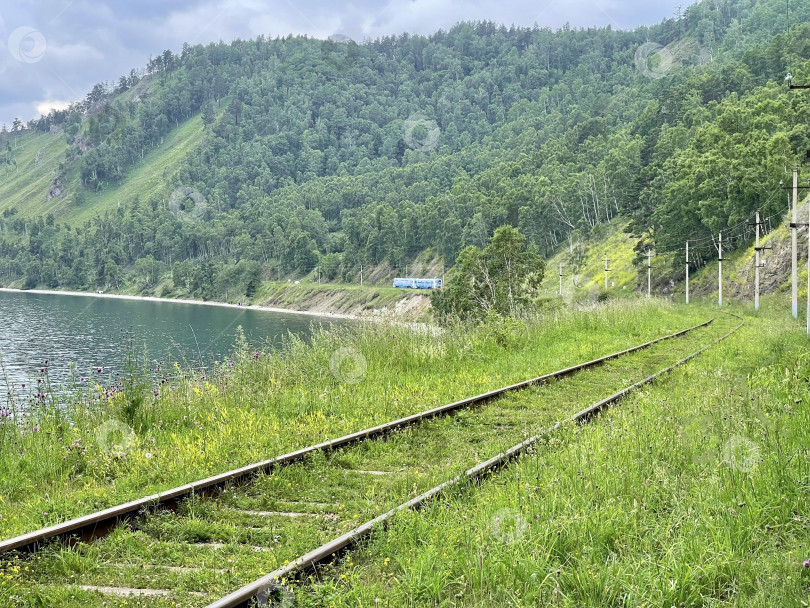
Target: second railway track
207,547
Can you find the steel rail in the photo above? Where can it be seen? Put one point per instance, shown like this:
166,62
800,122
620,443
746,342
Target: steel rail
247,595
96,525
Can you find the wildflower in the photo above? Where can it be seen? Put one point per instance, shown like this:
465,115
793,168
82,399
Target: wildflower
255,356
99,370
148,455
36,428
806,563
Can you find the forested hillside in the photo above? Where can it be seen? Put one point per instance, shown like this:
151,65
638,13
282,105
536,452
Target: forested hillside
226,163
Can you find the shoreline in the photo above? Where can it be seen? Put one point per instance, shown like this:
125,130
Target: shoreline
116,296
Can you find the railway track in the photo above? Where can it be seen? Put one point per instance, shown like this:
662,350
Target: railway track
197,543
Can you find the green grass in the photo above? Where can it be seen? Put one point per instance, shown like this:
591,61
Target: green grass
286,400
655,504
691,493
333,489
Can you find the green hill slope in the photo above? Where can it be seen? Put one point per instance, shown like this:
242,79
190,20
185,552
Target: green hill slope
299,155
25,183
149,178
583,266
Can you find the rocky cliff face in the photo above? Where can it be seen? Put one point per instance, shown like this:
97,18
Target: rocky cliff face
56,188
774,276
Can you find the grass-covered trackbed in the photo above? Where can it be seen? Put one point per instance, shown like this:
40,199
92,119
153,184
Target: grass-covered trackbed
221,533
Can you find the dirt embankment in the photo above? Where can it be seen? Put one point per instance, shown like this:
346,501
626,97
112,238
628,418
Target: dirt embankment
351,301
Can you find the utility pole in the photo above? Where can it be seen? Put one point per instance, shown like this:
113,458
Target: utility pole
319,275
361,275
796,225
720,270
607,270
687,272
756,264
649,273
794,290
560,279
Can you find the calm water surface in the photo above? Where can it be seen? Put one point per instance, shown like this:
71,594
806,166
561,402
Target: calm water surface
93,332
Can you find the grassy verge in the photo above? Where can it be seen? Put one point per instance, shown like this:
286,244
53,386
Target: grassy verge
692,493
127,438
331,492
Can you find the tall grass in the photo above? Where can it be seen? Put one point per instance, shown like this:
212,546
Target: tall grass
149,430
693,492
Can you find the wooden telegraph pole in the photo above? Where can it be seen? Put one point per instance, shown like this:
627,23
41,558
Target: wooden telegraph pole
560,279
607,270
649,273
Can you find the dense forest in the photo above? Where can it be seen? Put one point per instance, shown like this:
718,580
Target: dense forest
333,154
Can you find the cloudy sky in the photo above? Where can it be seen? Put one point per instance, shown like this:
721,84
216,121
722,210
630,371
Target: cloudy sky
53,51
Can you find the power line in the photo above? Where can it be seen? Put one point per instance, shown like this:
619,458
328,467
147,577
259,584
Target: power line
697,244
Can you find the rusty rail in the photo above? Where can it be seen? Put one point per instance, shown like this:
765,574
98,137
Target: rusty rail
256,593
96,525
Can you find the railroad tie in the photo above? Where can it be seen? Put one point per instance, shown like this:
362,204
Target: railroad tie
131,592
274,513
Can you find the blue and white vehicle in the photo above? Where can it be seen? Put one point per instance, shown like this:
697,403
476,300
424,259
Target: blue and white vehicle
418,283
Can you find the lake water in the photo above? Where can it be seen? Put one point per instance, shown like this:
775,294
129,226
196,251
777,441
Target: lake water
93,333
